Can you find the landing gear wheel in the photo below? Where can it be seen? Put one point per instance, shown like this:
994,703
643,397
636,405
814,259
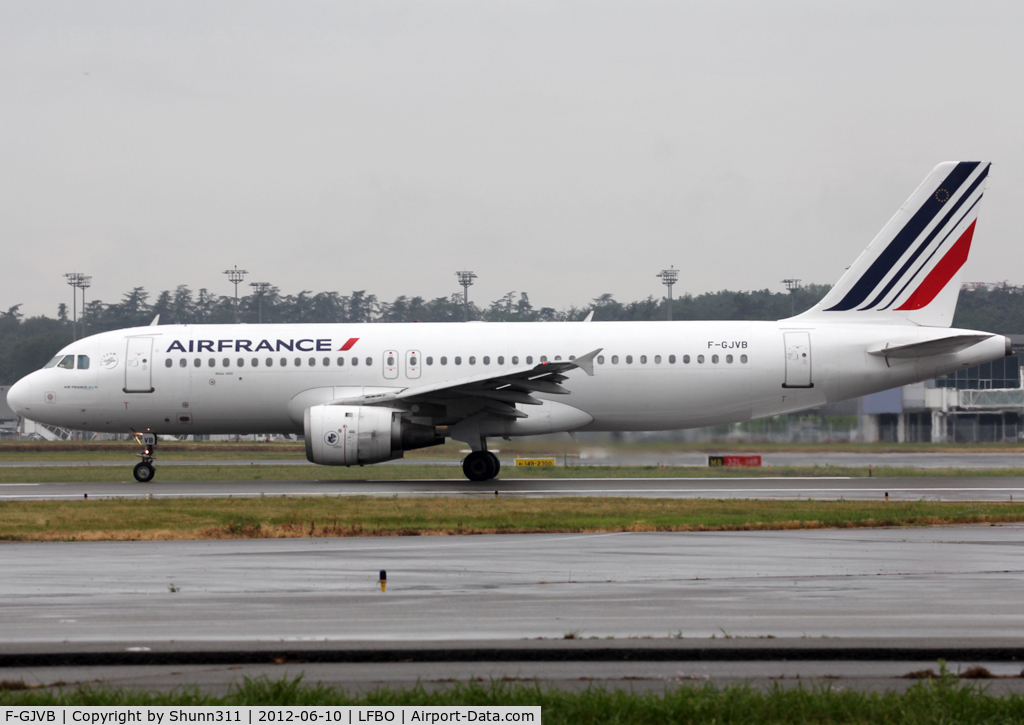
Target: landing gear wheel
480,466
144,472
497,464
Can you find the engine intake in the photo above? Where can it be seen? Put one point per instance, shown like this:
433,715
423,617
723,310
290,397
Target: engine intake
351,435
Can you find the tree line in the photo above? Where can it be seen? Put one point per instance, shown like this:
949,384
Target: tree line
27,343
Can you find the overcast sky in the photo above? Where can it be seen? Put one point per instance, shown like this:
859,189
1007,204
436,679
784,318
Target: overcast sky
567,149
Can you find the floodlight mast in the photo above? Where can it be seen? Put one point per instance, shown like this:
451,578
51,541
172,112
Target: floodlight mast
236,276
73,279
260,288
792,285
668,278
466,280
84,283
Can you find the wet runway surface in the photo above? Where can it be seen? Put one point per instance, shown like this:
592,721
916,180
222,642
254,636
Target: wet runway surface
859,459
935,582
769,589
871,489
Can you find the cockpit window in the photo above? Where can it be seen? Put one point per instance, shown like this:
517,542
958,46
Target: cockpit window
67,362
53,363
83,362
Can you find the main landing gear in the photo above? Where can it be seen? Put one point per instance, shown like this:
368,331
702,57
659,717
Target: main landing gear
481,466
144,469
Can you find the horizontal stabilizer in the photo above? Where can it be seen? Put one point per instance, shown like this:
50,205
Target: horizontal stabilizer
942,346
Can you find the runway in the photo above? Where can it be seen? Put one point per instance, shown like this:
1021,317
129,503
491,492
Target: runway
899,488
599,457
929,582
922,586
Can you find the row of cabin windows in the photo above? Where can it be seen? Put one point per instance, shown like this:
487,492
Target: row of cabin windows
269,362
671,359
68,361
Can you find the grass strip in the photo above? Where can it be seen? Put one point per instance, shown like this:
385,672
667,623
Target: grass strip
299,517
434,472
944,700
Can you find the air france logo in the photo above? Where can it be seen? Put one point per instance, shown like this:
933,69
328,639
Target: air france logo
233,345
109,361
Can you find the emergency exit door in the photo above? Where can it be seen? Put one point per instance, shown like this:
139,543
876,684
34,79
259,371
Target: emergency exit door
798,360
138,365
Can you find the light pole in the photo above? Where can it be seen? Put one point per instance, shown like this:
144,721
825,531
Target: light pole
260,288
236,276
466,280
84,283
792,285
668,278
73,279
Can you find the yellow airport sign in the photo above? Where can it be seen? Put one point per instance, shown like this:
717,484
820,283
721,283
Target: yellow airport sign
535,461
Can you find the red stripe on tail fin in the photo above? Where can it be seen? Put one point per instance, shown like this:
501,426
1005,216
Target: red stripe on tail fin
942,272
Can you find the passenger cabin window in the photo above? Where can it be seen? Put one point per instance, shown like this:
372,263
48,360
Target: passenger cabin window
501,360
657,359
444,360
543,358
197,363
515,359
487,360
341,362
743,358
83,362
168,363
312,362
255,362
226,362
615,359
643,359
68,362
212,362
355,361
298,362
412,360
728,358
391,361
327,362
600,359
181,363
369,361
241,363
672,359
700,358
270,362
472,360
430,361
714,358
458,360
284,362
529,359
629,359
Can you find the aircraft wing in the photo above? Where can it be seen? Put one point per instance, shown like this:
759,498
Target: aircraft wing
495,393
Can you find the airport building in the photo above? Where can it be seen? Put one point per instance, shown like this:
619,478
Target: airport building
982,404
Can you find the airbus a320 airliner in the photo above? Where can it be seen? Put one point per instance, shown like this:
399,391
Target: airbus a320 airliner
366,393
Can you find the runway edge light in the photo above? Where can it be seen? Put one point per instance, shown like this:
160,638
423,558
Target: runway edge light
383,581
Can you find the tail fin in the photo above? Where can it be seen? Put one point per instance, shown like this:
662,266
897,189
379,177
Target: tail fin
911,271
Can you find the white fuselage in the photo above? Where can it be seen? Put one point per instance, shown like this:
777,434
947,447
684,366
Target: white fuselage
207,379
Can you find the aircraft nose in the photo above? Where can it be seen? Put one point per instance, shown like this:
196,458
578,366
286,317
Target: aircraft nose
19,396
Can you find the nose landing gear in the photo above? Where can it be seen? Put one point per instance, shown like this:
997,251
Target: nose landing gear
144,469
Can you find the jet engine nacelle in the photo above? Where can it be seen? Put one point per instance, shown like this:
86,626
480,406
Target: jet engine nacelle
351,435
